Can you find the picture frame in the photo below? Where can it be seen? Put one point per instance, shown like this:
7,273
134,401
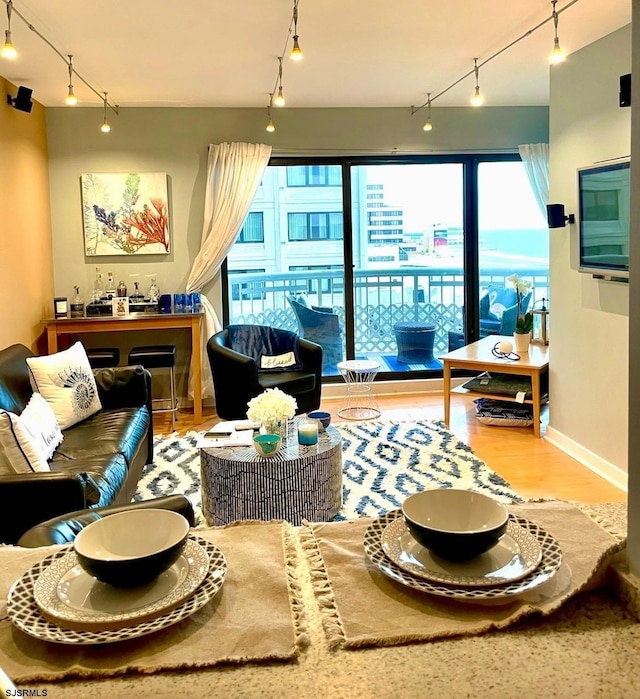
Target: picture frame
125,213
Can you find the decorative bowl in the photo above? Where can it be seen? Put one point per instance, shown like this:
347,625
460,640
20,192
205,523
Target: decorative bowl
133,547
324,419
267,444
455,524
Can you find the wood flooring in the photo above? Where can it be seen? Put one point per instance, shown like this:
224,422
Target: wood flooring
533,467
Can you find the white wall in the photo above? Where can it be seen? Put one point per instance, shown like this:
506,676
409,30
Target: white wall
589,318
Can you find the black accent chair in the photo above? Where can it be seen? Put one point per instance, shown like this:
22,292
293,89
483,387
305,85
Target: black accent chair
65,528
237,377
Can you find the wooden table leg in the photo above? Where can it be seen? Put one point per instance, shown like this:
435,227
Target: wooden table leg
196,365
446,375
535,395
52,339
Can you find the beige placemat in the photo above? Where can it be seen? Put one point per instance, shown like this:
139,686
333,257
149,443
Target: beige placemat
363,607
256,616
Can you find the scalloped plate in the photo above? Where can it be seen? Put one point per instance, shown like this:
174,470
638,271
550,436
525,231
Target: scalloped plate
24,614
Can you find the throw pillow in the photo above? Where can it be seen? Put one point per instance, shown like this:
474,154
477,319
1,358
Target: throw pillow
28,440
66,382
277,362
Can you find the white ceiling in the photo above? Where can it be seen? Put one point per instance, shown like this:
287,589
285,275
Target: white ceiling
358,53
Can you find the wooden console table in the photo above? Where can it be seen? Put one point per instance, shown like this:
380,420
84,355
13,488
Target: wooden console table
478,356
152,321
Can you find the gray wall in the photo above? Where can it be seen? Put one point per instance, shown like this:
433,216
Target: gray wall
589,318
175,141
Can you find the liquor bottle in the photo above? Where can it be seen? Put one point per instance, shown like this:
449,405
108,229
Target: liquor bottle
77,305
98,287
111,286
154,291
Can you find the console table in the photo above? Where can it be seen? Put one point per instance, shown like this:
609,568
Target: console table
152,321
478,355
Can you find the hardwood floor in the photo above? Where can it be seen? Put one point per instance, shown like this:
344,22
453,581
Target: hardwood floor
533,467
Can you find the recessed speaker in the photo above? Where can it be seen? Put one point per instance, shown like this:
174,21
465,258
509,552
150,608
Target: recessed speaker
22,101
625,90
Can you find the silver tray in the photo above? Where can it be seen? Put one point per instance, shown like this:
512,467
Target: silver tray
24,613
68,596
517,554
551,561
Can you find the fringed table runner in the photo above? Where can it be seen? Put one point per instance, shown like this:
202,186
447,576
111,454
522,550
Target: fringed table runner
363,607
256,616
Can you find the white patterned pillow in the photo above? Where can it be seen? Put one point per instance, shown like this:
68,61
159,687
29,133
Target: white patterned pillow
66,382
28,440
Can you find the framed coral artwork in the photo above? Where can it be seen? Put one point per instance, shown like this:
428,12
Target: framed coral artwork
125,213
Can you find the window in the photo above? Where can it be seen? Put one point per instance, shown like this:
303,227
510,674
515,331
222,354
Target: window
315,226
326,286
249,290
314,176
253,229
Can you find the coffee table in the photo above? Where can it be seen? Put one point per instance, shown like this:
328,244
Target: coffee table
298,483
478,355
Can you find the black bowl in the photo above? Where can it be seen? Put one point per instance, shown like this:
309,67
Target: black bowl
455,524
132,548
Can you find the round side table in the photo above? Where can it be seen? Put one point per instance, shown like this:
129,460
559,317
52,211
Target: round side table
360,402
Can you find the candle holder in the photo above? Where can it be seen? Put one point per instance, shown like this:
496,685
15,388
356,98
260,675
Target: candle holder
308,433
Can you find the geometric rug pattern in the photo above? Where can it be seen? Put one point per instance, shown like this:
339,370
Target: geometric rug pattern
383,462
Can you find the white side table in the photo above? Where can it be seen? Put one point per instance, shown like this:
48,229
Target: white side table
360,402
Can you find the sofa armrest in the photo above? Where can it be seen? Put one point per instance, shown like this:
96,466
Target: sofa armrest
28,499
64,529
123,387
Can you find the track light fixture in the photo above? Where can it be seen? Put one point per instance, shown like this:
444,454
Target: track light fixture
477,100
105,128
8,50
279,99
71,99
557,55
296,52
270,125
427,124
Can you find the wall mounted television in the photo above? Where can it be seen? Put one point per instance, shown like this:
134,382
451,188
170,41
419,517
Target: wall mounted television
604,202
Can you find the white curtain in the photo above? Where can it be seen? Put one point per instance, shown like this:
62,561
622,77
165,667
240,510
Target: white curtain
535,158
234,172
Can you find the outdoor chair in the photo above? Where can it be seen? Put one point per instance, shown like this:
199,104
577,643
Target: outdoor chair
321,325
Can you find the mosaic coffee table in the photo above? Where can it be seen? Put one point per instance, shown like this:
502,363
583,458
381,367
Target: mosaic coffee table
299,482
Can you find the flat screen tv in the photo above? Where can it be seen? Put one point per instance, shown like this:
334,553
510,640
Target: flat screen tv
604,200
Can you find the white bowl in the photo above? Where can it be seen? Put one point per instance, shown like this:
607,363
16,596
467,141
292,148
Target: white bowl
131,548
455,524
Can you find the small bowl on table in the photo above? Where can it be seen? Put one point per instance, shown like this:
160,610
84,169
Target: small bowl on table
455,524
133,547
323,418
267,444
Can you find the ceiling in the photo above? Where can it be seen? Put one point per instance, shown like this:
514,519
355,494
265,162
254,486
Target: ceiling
358,53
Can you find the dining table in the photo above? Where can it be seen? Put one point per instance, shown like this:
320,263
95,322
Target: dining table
304,613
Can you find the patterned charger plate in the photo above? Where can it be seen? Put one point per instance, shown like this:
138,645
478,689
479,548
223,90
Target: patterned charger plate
68,596
24,613
514,556
551,561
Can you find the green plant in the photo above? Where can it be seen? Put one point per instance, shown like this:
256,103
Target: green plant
524,322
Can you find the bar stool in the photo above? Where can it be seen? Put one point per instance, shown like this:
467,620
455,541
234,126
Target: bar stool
159,357
103,357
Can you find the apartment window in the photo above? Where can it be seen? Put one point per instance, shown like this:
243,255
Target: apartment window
253,229
325,285
325,225
248,290
314,176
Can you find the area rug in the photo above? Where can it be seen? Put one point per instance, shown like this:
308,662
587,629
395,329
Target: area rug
383,463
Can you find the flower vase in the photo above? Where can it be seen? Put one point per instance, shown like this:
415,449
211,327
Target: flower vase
278,427
521,341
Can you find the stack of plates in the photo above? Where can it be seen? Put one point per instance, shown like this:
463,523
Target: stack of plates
56,600
525,557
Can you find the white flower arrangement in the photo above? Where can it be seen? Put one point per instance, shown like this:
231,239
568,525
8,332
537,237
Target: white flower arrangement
524,322
272,406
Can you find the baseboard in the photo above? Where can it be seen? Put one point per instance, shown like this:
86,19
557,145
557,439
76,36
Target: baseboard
614,475
388,388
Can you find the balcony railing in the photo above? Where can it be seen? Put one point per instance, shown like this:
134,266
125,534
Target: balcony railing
381,299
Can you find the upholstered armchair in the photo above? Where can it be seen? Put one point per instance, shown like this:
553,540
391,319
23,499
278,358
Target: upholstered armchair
322,326
247,359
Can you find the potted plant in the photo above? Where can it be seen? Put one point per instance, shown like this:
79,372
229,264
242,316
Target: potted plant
524,320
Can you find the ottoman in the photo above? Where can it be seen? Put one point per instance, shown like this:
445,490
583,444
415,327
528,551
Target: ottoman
415,342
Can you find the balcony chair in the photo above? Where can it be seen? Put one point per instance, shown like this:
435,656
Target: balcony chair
498,314
238,356
321,325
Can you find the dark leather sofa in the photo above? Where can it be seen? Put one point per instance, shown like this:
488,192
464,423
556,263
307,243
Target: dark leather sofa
100,459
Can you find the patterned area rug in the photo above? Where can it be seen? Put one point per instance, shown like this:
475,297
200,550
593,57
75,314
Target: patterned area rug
383,463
